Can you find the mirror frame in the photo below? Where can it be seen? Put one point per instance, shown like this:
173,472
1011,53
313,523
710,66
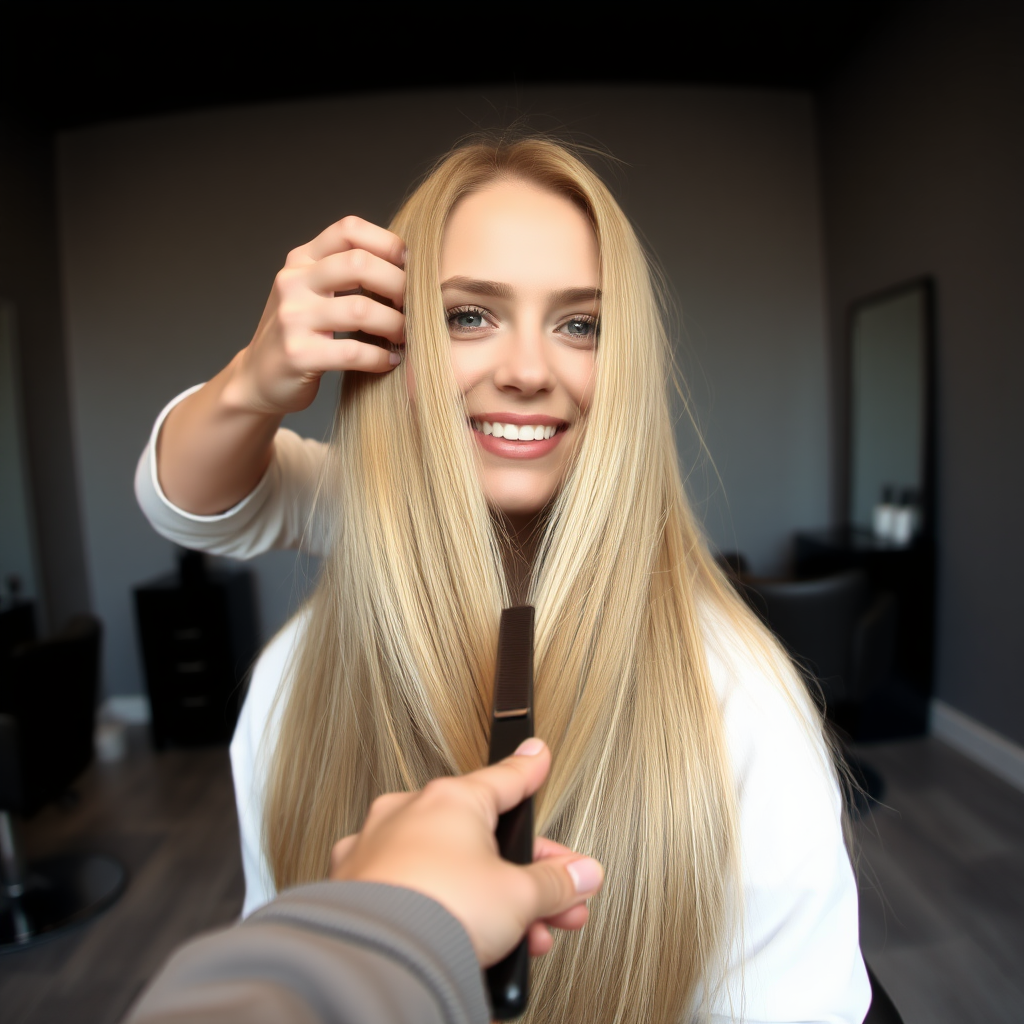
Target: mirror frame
926,285
18,473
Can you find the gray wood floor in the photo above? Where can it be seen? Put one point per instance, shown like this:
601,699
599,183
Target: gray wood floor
942,887
170,819
942,882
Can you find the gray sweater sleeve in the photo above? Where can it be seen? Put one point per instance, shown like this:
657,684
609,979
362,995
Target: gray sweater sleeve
328,953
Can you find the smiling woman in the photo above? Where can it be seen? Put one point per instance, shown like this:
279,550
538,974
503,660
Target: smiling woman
525,449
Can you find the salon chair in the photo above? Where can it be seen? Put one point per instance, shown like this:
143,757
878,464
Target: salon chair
846,644
845,641
47,716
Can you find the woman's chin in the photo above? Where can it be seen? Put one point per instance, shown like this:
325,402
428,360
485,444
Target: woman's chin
521,509
520,492
518,515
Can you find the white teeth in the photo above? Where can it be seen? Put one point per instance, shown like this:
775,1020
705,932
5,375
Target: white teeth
512,432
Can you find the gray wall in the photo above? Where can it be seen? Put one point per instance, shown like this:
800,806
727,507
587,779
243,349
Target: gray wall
172,230
29,280
923,171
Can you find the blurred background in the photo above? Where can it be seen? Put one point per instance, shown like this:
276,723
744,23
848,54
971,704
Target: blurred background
782,162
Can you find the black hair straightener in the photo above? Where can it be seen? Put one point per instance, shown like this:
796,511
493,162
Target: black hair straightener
508,982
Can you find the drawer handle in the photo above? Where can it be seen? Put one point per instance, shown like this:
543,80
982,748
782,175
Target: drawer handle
187,668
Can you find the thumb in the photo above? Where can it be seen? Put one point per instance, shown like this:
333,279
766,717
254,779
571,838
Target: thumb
563,882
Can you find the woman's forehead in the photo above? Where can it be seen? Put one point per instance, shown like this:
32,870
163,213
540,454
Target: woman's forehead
518,233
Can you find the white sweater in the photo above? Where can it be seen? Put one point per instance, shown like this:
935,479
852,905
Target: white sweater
798,956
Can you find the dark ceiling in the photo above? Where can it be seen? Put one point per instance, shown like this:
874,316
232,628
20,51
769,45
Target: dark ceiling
71,65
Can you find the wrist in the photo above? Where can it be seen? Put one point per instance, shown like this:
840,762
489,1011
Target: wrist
236,395
235,389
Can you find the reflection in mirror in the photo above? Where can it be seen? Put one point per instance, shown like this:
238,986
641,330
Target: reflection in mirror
18,578
889,416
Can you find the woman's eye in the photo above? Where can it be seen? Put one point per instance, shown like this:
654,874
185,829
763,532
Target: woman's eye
582,327
466,319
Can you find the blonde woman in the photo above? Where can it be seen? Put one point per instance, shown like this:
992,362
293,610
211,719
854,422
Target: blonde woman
521,450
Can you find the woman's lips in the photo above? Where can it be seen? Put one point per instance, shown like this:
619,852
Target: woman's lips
507,448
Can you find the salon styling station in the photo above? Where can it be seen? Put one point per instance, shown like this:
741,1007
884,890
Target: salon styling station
199,640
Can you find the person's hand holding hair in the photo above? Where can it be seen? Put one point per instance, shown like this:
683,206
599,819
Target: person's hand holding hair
320,291
440,841
216,444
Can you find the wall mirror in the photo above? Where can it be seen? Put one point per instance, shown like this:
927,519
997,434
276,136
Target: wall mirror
891,440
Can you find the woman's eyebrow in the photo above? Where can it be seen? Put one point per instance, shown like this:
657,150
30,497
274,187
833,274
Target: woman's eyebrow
501,290
476,287
577,295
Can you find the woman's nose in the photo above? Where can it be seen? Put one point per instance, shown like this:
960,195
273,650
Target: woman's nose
523,363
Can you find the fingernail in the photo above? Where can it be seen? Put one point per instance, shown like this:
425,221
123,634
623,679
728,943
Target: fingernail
530,747
586,874
394,358
405,256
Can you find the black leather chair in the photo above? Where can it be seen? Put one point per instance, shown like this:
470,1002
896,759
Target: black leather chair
47,716
845,642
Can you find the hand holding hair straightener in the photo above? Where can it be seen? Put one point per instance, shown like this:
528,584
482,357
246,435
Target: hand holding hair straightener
439,842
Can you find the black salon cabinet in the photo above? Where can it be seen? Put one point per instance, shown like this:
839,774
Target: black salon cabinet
199,640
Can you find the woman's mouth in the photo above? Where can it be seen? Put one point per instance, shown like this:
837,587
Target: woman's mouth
528,438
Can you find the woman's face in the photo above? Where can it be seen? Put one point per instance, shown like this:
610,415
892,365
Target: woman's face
520,280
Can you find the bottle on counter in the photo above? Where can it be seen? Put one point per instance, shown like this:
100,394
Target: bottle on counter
884,514
906,518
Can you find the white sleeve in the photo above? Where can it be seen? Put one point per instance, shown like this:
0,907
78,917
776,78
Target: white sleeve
798,955
280,512
252,747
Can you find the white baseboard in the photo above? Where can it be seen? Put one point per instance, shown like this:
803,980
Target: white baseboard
132,709
987,747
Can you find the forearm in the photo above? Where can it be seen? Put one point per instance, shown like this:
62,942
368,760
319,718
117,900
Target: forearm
215,445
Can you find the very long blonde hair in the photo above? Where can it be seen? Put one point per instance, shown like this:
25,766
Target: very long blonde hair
392,684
